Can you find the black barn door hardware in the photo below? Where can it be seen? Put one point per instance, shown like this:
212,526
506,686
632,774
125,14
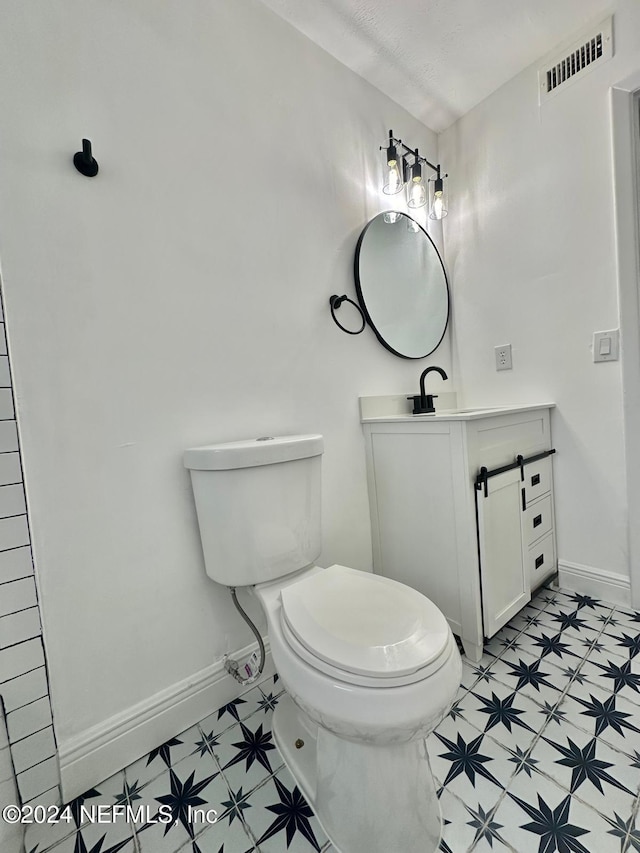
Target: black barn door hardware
520,461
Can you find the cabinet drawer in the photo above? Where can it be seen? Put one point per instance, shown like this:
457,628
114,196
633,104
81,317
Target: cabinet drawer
541,560
537,520
537,479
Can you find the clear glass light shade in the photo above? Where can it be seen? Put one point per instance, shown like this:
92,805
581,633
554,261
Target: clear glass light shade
391,216
438,201
416,193
393,182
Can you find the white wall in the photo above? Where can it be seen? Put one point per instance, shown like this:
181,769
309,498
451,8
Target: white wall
178,298
531,252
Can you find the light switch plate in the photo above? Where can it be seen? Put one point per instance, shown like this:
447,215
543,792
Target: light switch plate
606,345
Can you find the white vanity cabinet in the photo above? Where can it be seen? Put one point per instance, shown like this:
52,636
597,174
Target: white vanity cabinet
475,546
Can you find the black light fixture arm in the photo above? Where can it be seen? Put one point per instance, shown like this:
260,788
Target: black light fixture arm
398,143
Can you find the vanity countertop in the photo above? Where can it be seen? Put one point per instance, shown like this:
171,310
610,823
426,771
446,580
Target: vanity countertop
375,413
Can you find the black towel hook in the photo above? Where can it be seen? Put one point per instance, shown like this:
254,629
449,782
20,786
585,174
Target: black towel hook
84,161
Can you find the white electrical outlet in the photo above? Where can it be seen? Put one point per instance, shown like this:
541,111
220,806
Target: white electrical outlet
503,357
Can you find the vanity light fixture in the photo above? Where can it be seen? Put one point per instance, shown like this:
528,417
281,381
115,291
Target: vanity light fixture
416,191
411,176
438,205
393,180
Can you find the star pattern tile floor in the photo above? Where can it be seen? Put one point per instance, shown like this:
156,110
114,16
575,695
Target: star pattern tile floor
540,752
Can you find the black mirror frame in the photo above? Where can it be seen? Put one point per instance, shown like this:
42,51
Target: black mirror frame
360,295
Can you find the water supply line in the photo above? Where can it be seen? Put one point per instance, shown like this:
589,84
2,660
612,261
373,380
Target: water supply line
232,666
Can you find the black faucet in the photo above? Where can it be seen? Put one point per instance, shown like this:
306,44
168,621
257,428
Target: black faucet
423,403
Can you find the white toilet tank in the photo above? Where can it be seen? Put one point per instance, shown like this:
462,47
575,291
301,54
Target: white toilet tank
258,505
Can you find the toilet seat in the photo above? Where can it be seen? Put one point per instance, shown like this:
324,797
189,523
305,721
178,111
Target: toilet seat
363,628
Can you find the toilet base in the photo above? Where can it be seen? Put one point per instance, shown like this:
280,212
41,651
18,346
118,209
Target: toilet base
366,797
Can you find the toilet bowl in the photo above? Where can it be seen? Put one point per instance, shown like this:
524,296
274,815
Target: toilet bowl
370,666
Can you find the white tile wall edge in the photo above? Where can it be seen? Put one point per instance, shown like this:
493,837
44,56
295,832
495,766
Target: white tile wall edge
599,583
97,753
397,404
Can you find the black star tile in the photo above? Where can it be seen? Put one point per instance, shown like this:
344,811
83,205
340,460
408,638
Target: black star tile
236,804
629,643
501,712
530,673
585,766
625,831
621,675
163,751
568,620
532,620
633,617
183,797
268,702
457,710
552,645
483,673
511,643
552,826
484,825
129,794
574,673
466,758
76,805
523,761
606,715
254,747
207,743
292,816
231,708
584,601
553,713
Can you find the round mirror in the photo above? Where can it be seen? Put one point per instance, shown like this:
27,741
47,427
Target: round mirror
402,285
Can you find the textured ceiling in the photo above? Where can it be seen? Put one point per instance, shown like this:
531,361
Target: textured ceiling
438,58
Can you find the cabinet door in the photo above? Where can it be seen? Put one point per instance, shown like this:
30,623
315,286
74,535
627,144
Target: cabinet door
503,575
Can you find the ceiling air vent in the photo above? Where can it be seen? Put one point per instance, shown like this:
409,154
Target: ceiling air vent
565,66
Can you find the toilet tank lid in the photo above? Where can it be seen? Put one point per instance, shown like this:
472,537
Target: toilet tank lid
266,450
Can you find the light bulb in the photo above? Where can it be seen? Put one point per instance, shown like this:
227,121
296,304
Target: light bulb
417,193
438,206
391,216
393,184
438,199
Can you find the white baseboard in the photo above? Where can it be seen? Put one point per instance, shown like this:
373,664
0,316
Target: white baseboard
97,753
599,583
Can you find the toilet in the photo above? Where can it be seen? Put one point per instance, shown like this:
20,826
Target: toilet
369,665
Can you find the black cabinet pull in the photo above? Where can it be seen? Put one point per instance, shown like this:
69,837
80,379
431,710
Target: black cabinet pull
539,561
535,479
537,521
